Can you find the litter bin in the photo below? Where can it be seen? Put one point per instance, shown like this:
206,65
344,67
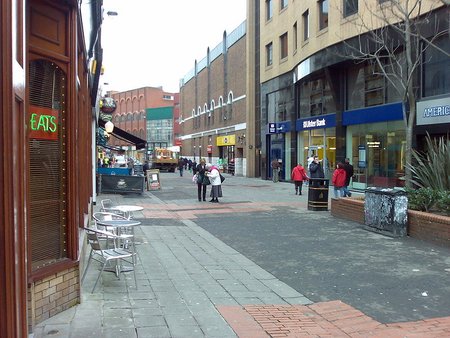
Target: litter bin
386,211
318,194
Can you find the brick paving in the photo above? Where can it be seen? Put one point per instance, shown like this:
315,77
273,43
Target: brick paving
324,319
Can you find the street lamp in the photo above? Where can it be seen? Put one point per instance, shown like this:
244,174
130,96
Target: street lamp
200,153
194,152
109,127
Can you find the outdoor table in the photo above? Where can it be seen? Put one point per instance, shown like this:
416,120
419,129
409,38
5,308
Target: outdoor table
128,209
118,225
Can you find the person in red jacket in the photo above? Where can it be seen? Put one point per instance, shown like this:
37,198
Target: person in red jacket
298,175
338,180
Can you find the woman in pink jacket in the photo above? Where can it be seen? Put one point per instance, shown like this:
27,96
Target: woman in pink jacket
298,175
338,180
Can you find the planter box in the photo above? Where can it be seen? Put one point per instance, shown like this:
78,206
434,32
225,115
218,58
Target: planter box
421,225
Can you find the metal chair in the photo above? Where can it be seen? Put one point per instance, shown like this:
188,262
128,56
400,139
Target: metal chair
104,255
109,206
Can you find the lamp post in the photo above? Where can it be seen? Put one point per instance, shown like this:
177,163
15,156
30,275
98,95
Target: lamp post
194,152
199,153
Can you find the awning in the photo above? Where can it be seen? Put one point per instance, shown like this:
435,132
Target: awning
124,136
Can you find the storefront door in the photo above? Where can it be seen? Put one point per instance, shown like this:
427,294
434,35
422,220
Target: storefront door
322,143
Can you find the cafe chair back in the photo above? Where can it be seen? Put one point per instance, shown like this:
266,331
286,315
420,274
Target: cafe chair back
107,257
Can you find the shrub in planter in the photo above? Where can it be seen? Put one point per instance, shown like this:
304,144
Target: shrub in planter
422,199
443,203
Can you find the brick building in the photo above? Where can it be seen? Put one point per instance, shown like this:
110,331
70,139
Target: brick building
130,114
213,105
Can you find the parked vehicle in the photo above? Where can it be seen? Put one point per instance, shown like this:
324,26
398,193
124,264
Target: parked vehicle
164,159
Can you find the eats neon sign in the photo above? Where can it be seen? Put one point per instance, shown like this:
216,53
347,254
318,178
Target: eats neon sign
43,123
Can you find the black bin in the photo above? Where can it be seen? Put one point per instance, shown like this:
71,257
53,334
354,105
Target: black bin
318,194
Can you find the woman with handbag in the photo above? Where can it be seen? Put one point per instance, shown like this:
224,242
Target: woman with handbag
216,184
202,180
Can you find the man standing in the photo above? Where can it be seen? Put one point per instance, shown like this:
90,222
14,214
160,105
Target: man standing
275,170
349,173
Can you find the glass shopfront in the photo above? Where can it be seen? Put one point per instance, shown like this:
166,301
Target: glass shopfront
377,152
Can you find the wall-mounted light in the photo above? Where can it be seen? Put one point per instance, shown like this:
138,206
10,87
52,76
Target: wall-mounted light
109,127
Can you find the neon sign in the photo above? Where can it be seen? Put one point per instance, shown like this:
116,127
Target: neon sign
43,123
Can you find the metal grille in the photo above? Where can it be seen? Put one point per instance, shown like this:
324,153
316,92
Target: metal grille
48,179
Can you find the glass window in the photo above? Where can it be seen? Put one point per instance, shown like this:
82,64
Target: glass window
269,54
47,133
283,4
374,85
323,14
284,46
305,18
269,10
350,7
436,69
295,36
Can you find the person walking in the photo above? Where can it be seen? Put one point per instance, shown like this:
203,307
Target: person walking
275,170
349,171
216,184
200,171
338,180
298,175
181,166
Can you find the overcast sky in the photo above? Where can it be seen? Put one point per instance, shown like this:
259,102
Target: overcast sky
155,43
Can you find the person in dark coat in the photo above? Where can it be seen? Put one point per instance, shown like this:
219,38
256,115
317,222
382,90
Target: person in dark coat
316,170
201,188
349,171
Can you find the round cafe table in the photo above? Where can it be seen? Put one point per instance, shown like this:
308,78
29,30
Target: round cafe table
128,209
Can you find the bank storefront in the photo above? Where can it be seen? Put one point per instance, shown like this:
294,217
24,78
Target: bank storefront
375,143
317,136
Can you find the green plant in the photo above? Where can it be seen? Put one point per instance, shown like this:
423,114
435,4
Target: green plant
422,199
432,168
443,203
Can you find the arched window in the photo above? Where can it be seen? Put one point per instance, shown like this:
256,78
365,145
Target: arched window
222,116
129,117
211,112
206,113
229,113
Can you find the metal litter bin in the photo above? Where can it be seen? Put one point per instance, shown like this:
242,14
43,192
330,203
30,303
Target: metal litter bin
386,211
318,194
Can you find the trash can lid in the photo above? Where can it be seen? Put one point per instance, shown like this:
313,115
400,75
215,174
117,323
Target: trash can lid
386,191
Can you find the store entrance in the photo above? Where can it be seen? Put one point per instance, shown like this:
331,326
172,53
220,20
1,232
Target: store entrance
322,143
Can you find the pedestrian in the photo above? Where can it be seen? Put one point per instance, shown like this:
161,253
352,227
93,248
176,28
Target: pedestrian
216,184
130,166
338,180
202,180
298,175
316,171
349,171
275,170
181,166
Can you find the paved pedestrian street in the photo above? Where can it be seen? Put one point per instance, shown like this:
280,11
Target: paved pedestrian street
259,264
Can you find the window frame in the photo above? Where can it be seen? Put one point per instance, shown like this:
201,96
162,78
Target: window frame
349,7
306,30
269,54
284,46
323,11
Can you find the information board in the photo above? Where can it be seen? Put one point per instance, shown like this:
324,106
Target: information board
153,182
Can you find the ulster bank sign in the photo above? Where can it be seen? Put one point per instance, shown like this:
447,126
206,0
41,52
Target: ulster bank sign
433,111
323,121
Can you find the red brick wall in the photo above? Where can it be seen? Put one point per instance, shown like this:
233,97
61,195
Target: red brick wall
421,225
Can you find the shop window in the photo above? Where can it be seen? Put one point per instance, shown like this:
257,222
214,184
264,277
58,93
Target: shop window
436,69
284,46
323,14
47,164
350,7
269,54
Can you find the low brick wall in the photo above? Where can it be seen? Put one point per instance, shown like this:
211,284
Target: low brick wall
348,208
53,294
429,227
421,225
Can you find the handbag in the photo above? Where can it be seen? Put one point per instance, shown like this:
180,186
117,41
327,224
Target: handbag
221,178
206,180
195,178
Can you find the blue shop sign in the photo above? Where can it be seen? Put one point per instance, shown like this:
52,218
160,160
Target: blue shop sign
323,121
279,128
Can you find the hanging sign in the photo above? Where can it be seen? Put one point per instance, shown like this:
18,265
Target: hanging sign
43,123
